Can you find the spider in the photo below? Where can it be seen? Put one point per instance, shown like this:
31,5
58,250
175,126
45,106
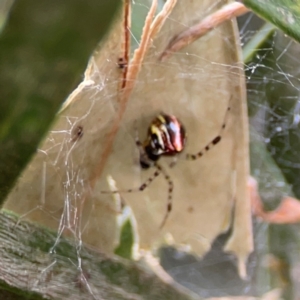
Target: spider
166,137
122,64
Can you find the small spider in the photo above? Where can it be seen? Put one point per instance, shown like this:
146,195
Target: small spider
122,64
166,137
77,133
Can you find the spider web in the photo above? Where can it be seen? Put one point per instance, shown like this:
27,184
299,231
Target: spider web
273,98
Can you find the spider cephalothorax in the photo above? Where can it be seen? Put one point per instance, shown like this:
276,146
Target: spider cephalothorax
166,136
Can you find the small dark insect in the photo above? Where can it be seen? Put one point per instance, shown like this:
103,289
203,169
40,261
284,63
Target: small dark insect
77,133
166,137
122,63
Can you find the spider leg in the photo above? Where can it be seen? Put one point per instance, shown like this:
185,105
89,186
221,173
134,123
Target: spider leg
143,156
170,194
146,162
214,141
138,189
159,170
145,159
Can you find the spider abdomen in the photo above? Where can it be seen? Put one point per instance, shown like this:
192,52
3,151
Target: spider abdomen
166,136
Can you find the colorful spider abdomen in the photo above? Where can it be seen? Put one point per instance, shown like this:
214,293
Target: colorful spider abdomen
166,136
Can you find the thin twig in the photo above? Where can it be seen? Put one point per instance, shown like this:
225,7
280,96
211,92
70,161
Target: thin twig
160,19
133,70
210,22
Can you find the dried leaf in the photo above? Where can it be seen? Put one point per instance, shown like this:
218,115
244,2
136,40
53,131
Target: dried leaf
196,85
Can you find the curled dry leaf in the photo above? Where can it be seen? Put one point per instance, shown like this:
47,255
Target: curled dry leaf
62,186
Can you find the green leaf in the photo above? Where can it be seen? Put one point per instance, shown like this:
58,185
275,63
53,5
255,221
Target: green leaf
257,41
126,240
44,51
285,14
